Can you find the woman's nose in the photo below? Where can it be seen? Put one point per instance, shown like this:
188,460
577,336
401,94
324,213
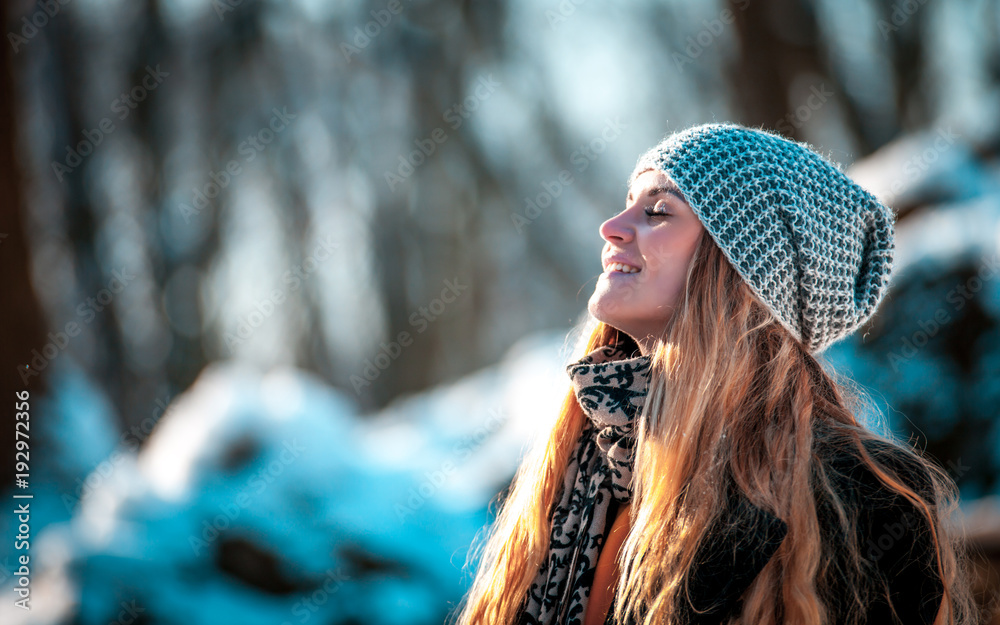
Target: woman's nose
617,228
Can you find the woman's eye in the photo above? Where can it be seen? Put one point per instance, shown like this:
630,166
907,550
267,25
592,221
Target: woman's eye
659,209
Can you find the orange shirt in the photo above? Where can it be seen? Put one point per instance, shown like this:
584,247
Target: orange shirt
606,574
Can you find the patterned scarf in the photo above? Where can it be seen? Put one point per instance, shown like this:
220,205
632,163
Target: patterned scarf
610,387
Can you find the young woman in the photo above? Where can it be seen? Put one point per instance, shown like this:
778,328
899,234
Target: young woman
705,468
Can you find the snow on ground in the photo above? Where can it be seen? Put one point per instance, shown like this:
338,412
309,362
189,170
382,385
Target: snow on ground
265,498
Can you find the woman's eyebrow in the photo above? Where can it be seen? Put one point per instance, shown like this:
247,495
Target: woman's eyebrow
668,188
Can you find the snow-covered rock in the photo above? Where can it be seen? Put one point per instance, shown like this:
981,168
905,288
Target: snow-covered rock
263,497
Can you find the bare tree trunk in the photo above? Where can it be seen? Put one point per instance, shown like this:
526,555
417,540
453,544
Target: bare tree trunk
778,41
20,312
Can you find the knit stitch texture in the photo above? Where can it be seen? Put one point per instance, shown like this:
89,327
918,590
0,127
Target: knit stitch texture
813,246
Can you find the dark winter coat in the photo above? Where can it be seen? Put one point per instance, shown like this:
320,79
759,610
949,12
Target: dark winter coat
893,537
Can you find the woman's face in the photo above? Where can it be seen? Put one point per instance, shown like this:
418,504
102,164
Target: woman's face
655,236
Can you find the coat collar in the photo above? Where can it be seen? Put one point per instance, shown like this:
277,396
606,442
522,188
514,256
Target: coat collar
742,541
610,385
746,537
737,548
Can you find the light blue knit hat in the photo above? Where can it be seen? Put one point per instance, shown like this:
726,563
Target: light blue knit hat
813,245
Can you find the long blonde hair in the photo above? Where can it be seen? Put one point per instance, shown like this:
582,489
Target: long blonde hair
761,409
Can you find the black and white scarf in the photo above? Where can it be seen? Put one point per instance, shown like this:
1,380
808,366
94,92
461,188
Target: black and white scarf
610,386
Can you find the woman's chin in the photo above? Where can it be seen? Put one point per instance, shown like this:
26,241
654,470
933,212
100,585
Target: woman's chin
607,308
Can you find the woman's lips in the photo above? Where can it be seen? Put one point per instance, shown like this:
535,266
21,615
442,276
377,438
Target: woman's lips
619,274
620,267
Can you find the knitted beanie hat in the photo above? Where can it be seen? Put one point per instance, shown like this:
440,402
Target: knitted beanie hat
813,246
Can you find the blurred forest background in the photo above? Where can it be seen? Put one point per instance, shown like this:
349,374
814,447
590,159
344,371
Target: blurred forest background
291,284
